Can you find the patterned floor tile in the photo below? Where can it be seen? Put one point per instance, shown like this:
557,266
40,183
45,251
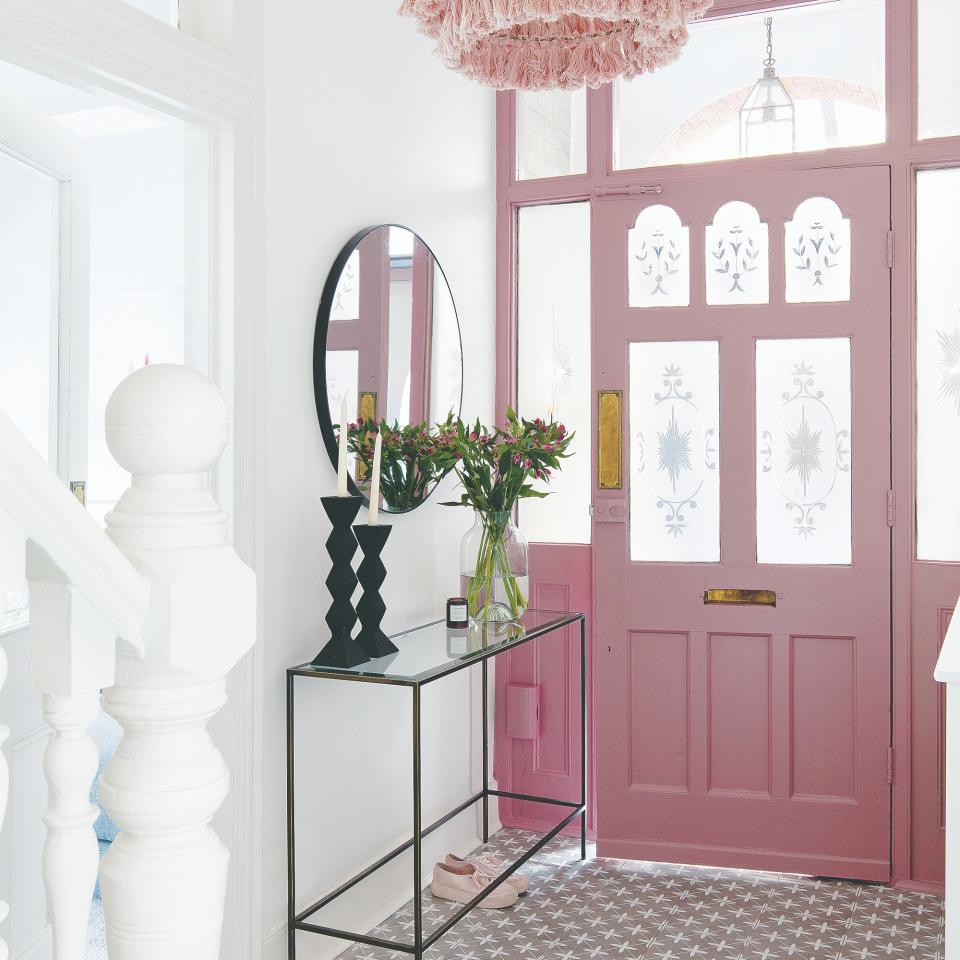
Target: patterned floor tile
624,910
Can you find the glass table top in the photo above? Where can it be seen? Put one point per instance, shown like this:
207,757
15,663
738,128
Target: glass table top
434,650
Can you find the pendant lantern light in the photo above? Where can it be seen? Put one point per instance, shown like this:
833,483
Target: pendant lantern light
768,122
550,44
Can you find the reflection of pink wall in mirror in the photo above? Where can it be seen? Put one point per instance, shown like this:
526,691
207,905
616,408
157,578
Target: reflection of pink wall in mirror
421,332
369,335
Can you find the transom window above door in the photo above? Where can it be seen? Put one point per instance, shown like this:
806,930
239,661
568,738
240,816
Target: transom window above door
829,89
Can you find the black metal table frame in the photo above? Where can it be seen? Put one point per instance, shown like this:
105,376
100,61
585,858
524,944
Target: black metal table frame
299,921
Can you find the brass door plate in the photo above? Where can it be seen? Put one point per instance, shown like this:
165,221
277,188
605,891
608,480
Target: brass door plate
609,431
754,598
366,410
367,405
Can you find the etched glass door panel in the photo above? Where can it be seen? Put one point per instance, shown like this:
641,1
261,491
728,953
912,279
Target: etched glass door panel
818,253
346,300
553,357
674,451
658,253
938,366
803,460
738,256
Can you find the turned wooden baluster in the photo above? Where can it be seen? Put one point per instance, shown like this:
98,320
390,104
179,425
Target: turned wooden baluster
12,575
164,878
84,594
4,788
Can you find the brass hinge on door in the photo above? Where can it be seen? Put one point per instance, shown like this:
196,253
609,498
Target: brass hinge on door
891,508
890,769
890,248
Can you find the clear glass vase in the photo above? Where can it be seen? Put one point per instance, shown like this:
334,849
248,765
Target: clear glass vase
493,569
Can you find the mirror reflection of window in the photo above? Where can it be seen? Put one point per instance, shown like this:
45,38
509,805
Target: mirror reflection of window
400,351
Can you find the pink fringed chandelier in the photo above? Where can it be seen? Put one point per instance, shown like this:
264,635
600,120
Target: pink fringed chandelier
550,44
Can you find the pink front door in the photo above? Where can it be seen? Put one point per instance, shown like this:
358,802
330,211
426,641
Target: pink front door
747,321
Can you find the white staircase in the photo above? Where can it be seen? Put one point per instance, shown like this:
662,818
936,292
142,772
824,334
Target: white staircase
155,612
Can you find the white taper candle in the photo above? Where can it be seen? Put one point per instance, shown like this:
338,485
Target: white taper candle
342,459
373,516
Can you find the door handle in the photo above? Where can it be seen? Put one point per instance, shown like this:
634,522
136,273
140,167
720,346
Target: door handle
755,598
609,511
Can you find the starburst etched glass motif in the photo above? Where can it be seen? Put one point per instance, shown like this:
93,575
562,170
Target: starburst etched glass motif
804,451
950,367
673,450
561,380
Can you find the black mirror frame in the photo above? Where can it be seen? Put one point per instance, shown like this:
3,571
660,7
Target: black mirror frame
320,351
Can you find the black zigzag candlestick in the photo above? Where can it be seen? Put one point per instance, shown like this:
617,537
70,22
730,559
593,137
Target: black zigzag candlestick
371,575
342,650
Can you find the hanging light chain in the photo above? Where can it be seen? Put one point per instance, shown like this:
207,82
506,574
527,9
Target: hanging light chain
770,61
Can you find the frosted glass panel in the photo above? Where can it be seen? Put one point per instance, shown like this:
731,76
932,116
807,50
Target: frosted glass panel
346,300
553,357
29,271
938,68
938,366
803,461
738,256
674,451
829,56
658,252
29,313
818,253
551,133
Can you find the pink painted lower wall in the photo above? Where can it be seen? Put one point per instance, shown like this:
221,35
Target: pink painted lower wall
549,763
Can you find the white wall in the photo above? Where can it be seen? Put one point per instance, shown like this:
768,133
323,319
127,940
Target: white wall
363,126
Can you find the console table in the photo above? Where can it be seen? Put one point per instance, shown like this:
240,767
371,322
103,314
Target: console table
428,654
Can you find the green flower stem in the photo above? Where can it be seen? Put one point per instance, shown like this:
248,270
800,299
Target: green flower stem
492,559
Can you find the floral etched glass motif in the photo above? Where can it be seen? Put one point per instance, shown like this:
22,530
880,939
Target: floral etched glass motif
674,451
818,253
737,256
658,252
346,299
803,460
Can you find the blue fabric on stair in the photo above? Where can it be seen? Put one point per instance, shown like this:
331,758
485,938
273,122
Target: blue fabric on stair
106,733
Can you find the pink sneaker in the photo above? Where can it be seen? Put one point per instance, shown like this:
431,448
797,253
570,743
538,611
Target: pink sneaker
463,883
491,864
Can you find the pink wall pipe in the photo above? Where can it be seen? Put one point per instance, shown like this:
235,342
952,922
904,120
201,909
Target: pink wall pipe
917,839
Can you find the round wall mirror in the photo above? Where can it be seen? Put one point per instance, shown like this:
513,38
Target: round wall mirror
388,340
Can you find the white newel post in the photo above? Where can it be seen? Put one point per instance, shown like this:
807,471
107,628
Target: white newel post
164,877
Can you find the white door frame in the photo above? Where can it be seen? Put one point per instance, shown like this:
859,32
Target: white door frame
212,80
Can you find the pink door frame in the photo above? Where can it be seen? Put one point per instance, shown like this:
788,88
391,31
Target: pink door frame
924,593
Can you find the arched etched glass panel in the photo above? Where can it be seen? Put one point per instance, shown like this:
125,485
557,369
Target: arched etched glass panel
738,256
803,460
346,302
818,253
658,253
674,451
